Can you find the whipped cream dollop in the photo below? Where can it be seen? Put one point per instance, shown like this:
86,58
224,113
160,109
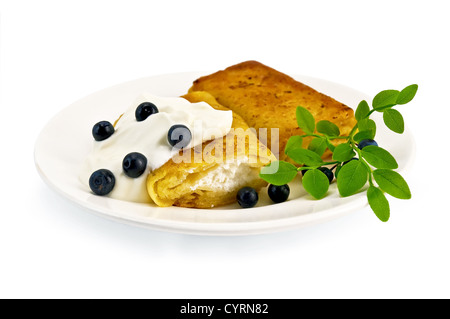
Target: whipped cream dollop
149,137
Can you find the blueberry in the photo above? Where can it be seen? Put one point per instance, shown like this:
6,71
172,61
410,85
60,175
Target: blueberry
179,136
247,197
134,164
278,194
327,172
102,130
144,110
365,143
102,182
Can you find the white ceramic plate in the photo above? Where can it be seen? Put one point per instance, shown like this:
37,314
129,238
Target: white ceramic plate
66,140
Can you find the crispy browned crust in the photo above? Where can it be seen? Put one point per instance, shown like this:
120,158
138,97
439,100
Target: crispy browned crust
267,98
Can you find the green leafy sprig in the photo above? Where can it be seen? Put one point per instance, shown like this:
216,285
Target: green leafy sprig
353,167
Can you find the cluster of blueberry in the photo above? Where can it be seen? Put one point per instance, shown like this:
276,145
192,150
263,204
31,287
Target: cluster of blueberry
102,181
247,197
134,164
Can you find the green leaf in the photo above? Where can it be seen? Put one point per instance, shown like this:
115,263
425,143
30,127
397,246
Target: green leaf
392,183
295,141
379,157
363,135
362,110
305,120
315,183
385,99
304,156
278,172
394,120
352,177
318,145
368,125
328,128
378,203
343,152
407,94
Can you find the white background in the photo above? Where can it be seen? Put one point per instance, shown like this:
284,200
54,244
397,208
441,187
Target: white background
56,52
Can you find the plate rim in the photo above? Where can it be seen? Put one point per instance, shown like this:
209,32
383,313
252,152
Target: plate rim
220,228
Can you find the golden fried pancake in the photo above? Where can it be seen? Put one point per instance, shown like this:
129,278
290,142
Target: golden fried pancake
214,178
267,98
